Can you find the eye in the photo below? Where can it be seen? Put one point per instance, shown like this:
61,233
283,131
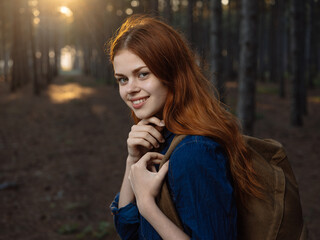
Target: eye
122,80
143,75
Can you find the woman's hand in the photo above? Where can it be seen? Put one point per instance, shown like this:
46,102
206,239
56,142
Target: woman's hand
146,183
145,180
143,137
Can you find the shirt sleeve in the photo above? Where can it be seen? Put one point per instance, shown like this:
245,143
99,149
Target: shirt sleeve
202,192
126,219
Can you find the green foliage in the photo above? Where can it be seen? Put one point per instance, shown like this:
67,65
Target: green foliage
85,232
104,229
52,205
68,229
267,90
316,80
76,205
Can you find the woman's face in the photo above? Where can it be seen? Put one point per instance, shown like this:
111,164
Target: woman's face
138,86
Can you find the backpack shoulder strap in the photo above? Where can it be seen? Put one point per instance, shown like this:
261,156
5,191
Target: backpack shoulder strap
164,199
176,140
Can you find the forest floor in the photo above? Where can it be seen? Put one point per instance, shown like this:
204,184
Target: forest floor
62,156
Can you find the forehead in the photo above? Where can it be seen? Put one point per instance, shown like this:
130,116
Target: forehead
125,61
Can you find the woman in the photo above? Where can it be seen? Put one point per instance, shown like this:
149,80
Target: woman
163,86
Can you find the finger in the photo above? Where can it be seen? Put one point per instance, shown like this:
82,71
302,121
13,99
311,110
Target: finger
139,142
147,128
163,171
145,136
153,168
150,156
154,161
153,120
151,164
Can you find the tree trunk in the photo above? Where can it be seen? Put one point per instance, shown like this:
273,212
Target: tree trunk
17,73
273,47
204,40
191,24
150,6
48,36
42,60
36,85
56,49
167,11
263,41
154,7
248,59
297,60
229,33
3,38
315,42
216,45
236,38
308,48
311,44
281,47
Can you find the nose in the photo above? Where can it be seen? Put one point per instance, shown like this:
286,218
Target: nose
132,86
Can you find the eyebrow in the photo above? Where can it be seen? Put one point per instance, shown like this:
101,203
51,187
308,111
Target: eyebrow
134,71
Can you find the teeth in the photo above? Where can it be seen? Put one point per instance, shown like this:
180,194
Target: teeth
139,101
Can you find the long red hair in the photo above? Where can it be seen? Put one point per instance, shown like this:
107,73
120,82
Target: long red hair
191,107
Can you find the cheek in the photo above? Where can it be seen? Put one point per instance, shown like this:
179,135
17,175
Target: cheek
122,94
163,93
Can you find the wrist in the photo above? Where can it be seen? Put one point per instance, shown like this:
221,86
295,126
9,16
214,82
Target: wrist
131,160
146,206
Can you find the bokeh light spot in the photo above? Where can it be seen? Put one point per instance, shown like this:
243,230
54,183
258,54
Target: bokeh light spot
129,11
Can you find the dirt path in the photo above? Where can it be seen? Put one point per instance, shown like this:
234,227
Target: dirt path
62,155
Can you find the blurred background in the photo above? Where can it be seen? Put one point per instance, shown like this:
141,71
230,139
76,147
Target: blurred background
63,127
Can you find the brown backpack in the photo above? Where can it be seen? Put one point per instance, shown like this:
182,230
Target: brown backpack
279,216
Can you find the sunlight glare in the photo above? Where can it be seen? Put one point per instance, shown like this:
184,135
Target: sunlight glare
67,58
36,21
68,92
38,54
119,12
129,11
134,3
175,5
225,2
66,11
35,12
51,54
109,7
199,4
33,3
184,3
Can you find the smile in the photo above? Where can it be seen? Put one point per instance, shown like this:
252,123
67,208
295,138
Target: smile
138,103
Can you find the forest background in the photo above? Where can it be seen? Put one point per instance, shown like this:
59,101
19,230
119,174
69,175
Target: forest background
63,127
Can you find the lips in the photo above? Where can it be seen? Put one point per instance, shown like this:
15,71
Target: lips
138,102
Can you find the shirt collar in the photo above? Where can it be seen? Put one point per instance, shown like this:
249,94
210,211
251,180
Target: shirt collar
166,133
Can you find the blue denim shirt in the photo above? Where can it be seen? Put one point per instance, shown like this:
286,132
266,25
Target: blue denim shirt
200,183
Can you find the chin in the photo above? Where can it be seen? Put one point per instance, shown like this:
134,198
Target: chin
143,116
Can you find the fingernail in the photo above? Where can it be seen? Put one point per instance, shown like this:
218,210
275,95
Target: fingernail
162,123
